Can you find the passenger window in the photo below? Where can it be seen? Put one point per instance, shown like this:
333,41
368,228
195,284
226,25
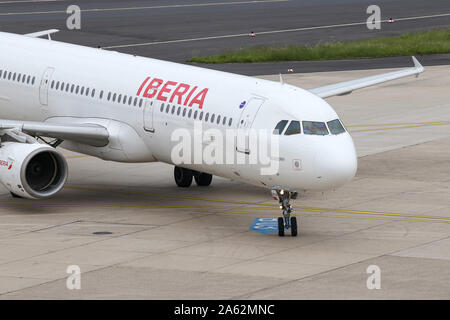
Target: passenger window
140,103
82,90
9,75
57,85
114,97
195,114
135,103
201,116
18,77
190,113
130,100
87,91
184,112
224,120
72,88
280,127
162,107
230,121
167,109
212,118
315,128
173,109
207,116
77,89
119,98
294,128
33,80
93,93
178,111
14,76
218,119
335,126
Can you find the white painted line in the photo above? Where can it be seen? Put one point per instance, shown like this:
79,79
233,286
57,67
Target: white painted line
212,4
28,1
269,32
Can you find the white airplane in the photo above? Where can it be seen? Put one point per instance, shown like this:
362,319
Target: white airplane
124,108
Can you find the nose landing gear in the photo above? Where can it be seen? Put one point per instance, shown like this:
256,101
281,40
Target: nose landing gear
286,222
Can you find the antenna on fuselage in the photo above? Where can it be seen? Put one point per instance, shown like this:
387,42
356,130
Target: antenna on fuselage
281,79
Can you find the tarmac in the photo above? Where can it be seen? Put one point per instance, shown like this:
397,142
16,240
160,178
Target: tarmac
135,235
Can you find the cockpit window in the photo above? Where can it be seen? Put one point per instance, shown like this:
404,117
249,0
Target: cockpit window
280,127
315,128
294,128
335,126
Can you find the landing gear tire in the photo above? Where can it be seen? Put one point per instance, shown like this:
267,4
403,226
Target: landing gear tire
293,226
281,227
183,177
203,179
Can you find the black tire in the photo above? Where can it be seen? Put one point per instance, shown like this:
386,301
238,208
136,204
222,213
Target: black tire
294,226
183,177
281,227
203,179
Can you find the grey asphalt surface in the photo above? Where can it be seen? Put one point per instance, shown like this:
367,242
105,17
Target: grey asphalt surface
119,23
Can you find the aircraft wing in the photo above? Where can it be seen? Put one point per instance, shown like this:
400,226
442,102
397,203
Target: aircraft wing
42,33
91,134
346,87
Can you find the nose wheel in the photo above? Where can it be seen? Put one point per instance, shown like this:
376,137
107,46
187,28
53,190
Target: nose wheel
286,222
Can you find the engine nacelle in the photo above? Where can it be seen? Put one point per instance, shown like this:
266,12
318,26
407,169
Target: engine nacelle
32,171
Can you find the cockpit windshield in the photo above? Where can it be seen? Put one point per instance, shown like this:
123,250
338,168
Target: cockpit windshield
294,128
336,126
315,128
280,127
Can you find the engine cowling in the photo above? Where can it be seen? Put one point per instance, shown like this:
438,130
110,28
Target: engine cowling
33,171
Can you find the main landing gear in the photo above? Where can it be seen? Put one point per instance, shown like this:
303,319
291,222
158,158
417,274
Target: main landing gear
286,222
183,177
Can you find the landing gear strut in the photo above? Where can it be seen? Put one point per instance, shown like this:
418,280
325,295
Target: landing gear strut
286,222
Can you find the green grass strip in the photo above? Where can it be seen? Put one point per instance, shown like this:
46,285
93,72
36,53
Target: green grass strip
430,42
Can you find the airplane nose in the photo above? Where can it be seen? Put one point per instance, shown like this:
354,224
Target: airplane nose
336,164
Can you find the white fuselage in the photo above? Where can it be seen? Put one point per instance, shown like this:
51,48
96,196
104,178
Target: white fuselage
76,84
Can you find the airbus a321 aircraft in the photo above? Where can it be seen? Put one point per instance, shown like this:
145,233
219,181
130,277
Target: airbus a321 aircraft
121,107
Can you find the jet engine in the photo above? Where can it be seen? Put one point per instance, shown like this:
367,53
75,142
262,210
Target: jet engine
33,171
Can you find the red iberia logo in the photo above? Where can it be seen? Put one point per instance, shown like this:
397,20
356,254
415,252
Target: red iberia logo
172,92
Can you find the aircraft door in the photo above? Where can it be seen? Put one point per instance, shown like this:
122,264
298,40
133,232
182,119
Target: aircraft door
43,88
148,116
244,125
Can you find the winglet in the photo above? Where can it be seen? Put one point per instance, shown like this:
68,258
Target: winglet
42,33
417,65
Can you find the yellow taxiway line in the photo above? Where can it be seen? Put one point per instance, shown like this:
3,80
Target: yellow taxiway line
253,207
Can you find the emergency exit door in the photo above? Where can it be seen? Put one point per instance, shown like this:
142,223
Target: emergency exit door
148,116
43,88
